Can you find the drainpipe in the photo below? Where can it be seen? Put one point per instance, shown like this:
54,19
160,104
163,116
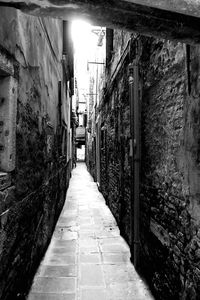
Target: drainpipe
135,158
65,37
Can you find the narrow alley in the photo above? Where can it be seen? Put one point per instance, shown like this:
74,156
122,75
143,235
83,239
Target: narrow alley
99,150
87,258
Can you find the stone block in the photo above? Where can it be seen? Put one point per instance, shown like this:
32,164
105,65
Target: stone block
52,296
91,294
91,275
57,271
50,285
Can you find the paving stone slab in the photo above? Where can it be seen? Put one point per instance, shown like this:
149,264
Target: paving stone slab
91,275
127,291
89,249
54,285
66,219
116,274
87,258
63,243
65,250
106,234
39,296
68,223
93,294
120,248
58,271
55,260
113,240
116,258
90,258
85,220
88,242
68,212
86,234
70,235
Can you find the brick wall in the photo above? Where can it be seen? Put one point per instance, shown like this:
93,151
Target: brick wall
169,183
115,162
169,168
162,198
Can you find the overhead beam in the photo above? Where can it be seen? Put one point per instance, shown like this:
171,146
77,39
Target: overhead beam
179,21
185,7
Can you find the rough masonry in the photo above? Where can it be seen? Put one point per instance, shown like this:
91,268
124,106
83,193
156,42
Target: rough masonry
169,177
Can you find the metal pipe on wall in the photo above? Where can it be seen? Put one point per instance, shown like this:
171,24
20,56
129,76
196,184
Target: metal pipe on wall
65,37
131,99
137,146
135,158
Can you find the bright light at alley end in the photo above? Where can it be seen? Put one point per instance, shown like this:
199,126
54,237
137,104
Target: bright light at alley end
81,36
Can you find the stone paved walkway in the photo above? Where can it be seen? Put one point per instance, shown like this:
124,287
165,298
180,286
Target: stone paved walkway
87,259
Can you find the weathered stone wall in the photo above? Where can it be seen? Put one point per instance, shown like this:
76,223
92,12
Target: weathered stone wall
169,209
90,132
162,187
32,200
169,197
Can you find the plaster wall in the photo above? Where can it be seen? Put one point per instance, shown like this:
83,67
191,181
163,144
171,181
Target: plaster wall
32,194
